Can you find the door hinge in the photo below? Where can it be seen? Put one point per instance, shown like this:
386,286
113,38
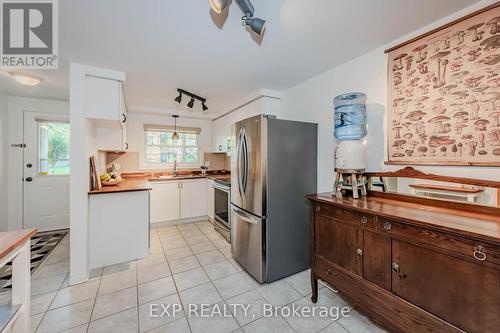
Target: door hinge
18,145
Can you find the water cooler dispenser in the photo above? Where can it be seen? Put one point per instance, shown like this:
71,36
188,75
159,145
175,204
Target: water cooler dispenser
350,154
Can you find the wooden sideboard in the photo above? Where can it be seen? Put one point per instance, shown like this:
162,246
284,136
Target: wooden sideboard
411,264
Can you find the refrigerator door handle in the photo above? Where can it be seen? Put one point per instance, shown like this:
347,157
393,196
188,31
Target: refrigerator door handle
238,162
243,216
244,146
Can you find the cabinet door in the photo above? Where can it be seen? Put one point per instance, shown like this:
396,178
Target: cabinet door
102,101
210,200
193,198
109,139
462,292
164,201
339,243
377,259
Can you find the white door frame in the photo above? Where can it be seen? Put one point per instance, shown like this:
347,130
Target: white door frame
17,106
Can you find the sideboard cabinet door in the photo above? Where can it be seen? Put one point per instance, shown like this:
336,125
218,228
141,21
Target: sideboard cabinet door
461,292
339,243
377,259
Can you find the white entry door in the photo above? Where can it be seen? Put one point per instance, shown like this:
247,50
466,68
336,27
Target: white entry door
46,171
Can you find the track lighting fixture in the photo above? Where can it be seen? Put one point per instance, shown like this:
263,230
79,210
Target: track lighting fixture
190,104
256,24
178,99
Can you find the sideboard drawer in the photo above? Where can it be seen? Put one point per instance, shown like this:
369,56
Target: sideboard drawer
476,251
346,215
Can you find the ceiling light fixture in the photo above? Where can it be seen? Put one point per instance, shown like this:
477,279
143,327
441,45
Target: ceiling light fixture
256,24
175,136
178,99
25,79
219,6
194,97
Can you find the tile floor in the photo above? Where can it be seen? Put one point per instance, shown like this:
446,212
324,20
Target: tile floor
188,264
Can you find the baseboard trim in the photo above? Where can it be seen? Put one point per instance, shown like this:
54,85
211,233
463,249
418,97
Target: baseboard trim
181,221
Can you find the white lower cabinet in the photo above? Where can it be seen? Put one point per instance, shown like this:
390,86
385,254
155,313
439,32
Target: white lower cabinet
193,198
118,227
210,200
178,199
165,201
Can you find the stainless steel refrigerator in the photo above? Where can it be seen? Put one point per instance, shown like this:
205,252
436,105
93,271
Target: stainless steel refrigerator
273,167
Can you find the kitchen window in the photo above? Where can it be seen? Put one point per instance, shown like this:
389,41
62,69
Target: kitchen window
161,150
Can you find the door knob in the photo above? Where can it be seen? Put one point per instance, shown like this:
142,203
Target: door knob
359,253
395,268
29,165
29,179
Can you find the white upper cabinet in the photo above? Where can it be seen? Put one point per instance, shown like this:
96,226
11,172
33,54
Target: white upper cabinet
105,106
221,130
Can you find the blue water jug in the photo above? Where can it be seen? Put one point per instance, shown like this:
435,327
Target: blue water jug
350,116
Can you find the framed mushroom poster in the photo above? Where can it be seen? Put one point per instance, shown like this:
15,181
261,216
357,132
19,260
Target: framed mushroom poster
444,94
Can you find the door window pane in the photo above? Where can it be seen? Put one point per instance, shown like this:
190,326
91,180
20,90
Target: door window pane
53,152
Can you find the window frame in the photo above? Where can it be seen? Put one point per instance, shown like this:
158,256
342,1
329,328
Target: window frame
145,164
38,148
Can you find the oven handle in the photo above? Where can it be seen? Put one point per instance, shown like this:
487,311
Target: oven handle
221,187
244,216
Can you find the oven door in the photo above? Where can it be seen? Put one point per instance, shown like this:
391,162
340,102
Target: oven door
221,205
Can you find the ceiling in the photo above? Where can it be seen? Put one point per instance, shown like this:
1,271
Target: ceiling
163,45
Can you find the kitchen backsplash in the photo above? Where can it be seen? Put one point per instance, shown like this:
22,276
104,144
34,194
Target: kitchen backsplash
130,161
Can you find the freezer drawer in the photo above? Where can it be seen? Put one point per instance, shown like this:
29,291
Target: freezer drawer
247,242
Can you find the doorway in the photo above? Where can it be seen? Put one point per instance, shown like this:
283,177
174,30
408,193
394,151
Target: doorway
46,168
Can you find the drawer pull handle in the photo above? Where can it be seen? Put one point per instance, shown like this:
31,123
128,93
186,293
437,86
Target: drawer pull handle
318,208
387,226
395,268
364,219
329,272
479,253
359,253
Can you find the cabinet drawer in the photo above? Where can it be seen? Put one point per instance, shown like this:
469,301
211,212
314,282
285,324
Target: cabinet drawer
476,251
346,215
325,269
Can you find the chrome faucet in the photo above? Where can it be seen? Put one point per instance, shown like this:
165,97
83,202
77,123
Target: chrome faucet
175,167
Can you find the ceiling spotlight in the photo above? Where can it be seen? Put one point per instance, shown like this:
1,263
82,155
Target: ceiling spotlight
191,103
219,6
256,24
178,99
25,79
205,108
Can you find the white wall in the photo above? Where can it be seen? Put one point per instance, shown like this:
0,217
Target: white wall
4,143
312,101
17,106
135,130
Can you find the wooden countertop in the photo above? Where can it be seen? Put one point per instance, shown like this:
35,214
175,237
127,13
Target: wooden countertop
482,223
128,185
141,181
10,240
